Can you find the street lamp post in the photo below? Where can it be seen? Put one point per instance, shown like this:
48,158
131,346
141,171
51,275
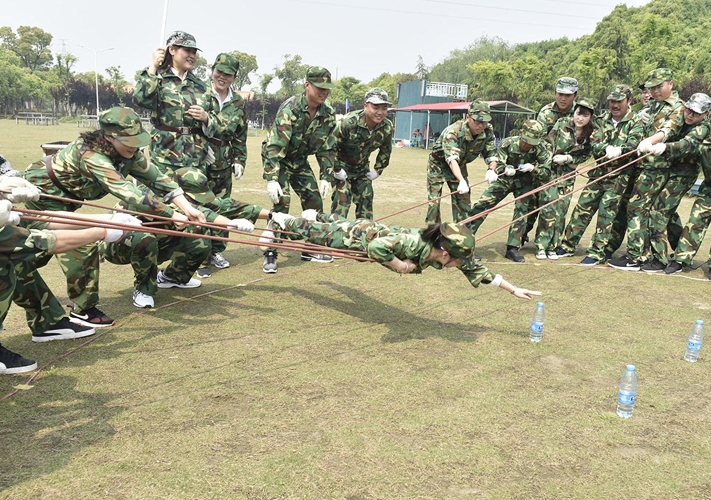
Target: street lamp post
96,74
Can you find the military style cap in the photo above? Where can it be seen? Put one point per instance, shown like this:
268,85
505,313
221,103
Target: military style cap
458,241
657,76
377,96
619,92
124,125
699,103
319,77
585,102
480,111
227,63
566,85
532,132
181,39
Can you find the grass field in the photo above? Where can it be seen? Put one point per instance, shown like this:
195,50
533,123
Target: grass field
349,381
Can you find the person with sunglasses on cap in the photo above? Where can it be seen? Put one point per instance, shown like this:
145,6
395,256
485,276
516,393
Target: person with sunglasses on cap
522,160
618,133
404,251
684,155
358,134
304,125
571,146
458,145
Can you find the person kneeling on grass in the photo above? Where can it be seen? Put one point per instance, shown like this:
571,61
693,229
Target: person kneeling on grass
402,250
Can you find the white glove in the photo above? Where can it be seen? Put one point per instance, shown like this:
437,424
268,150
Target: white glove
122,218
658,149
310,214
324,188
18,190
340,175
7,216
463,187
241,225
6,168
561,160
210,158
643,116
612,152
490,176
281,219
239,170
509,171
645,146
527,167
274,191
372,175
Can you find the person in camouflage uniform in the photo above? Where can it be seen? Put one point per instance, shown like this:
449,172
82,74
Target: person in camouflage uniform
618,133
402,250
571,146
523,158
665,123
358,134
93,166
459,144
683,156
304,125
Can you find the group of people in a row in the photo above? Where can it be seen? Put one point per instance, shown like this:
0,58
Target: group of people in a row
638,166
197,143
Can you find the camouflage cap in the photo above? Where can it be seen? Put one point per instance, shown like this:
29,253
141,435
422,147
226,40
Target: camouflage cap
320,77
458,241
226,63
619,92
566,85
124,125
585,102
480,111
377,96
181,39
532,132
699,103
657,76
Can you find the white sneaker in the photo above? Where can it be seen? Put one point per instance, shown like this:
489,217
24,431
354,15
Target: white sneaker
165,282
552,255
142,300
217,260
267,236
541,255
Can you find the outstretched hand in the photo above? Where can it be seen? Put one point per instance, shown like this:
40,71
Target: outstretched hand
523,293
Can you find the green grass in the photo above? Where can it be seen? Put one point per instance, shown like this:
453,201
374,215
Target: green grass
349,381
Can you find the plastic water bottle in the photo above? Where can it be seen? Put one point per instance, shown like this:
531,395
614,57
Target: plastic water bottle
539,315
696,337
628,393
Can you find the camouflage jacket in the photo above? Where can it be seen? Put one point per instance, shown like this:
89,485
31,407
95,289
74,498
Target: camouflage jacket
551,113
19,244
355,143
168,97
294,136
408,244
456,142
510,155
231,129
563,140
668,117
684,153
89,175
626,135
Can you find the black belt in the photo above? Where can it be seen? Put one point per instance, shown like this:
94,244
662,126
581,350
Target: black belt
179,130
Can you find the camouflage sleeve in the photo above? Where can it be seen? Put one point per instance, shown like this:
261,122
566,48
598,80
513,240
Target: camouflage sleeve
326,155
149,175
542,172
19,244
490,152
239,144
232,128
477,274
274,146
634,136
689,144
597,141
503,154
450,144
673,121
145,93
386,149
386,248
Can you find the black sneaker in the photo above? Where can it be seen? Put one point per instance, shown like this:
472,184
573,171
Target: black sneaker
270,262
91,317
14,363
589,261
204,272
315,257
63,330
562,252
513,254
653,266
673,268
625,263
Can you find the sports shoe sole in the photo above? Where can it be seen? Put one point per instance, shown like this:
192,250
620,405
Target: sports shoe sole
624,268
19,369
84,322
184,286
309,259
67,335
269,271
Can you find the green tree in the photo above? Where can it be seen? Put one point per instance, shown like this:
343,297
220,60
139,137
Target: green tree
30,44
291,74
247,65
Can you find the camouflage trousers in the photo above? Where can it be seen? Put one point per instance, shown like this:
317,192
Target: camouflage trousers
619,225
220,182
551,218
300,178
518,185
695,229
145,251
334,232
437,176
644,194
664,219
357,189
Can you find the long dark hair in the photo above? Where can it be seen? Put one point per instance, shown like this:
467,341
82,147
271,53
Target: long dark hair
96,141
167,60
587,129
433,235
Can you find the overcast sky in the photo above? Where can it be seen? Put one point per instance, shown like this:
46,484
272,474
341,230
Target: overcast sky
358,38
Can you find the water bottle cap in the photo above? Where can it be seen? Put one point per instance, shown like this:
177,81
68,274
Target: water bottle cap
540,304
699,321
630,368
